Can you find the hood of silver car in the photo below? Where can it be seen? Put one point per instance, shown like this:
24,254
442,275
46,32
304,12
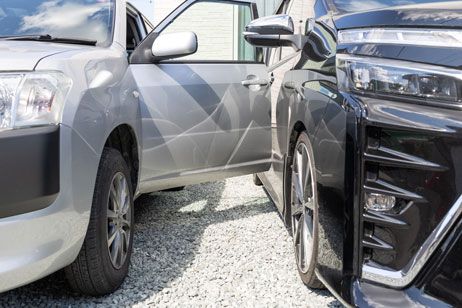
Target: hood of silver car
24,55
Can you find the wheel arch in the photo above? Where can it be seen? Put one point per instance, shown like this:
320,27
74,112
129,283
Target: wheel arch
296,129
330,209
299,130
123,139
295,132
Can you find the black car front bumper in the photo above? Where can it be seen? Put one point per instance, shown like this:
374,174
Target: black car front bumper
410,255
29,166
438,285
442,278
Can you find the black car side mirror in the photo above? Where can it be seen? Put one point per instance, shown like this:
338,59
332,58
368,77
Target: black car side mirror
273,31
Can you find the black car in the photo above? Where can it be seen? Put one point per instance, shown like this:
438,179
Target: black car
367,146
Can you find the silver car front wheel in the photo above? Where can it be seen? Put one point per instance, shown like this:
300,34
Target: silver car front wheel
119,220
103,261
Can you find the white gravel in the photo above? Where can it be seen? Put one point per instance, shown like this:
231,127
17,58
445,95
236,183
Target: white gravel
216,244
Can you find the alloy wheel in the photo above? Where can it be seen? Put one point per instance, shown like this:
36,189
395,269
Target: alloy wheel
303,206
119,220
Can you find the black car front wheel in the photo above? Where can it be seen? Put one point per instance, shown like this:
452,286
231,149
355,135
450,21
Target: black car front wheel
103,261
304,210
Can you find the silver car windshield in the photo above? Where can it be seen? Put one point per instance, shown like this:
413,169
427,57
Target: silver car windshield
78,19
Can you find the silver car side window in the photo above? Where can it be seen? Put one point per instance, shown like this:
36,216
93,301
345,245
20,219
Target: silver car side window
219,27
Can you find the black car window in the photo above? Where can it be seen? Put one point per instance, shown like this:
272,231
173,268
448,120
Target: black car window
326,66
147,25
134,33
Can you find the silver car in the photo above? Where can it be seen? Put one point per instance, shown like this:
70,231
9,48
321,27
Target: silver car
97,108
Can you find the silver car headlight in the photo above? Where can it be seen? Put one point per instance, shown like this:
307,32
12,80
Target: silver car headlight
32,99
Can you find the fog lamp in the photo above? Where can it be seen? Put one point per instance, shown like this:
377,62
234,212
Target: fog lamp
379,202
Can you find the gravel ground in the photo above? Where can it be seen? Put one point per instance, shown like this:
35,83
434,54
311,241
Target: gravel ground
216,244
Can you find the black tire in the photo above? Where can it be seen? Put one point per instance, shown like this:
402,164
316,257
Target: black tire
257,181
93,273
307,271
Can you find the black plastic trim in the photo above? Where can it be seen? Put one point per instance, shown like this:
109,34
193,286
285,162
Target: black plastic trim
208,62
29,164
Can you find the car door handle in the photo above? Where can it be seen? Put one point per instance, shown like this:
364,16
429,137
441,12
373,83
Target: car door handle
290,85
255,82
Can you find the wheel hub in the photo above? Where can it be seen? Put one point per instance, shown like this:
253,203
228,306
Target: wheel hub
303,205
119,220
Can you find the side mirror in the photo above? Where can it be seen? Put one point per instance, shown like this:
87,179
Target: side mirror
174,45
273,31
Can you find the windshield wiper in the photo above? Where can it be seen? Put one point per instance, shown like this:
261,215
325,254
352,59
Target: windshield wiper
49,38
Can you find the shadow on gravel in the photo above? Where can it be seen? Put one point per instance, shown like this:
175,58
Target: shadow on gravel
169,228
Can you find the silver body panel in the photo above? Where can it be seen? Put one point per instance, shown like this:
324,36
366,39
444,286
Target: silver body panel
24,56
193,123
199,118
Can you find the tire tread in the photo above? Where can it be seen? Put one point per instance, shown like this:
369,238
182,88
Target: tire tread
86,274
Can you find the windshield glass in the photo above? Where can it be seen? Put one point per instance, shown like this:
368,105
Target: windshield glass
364,5
78,19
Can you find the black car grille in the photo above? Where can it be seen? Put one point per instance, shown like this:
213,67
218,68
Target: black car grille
416,168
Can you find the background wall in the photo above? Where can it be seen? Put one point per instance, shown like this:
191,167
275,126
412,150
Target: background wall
145,6
163,7
156,10
267,7
218,26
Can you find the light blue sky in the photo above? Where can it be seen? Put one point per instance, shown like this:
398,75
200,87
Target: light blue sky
145,6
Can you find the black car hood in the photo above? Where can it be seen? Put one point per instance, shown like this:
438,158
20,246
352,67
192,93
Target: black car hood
438,14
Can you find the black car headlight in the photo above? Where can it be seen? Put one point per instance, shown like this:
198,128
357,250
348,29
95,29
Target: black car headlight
400,79
376,76
402,36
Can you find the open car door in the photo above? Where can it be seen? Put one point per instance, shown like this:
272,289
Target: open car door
206,115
